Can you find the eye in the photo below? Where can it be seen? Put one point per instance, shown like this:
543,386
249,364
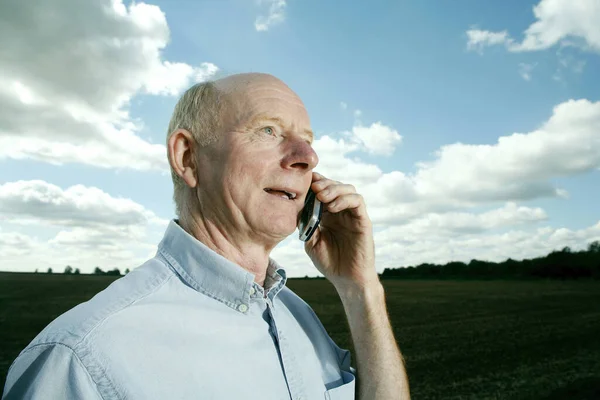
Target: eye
269,130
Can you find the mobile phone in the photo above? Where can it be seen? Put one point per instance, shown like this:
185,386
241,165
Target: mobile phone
310,216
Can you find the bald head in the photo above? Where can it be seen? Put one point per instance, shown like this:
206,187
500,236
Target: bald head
241,82
238,94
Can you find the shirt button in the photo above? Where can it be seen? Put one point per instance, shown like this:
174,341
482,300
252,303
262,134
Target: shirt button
252,291
243,307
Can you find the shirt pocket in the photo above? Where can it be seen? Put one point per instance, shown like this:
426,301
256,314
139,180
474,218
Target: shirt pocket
345,391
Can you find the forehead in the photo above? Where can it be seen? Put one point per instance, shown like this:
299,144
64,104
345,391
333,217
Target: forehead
267,98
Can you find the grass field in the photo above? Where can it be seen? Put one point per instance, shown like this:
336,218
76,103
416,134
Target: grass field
460,339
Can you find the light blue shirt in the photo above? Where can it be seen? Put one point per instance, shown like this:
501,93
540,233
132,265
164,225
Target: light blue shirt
187,324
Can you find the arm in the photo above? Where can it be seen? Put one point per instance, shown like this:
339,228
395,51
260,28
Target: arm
49,371
374,344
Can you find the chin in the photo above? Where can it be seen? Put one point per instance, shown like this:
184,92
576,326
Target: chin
282,231
288,231
278,224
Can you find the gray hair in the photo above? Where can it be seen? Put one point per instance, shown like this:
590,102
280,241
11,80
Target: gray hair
199,112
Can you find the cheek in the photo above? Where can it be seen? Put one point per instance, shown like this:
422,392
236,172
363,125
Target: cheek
258,164
247,174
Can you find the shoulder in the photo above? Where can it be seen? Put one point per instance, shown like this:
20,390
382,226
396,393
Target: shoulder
72,327
66,349
49,371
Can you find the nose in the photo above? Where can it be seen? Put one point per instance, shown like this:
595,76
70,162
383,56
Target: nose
300,155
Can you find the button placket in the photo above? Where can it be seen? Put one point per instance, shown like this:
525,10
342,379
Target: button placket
289,364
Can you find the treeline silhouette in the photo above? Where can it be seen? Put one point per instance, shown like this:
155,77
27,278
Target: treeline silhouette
97,271
559,264
115,272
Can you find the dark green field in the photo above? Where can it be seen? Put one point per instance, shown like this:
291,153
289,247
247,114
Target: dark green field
460,339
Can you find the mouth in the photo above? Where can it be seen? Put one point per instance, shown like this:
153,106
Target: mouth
284,194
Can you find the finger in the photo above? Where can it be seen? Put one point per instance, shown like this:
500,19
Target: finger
351,201
323,183
333,191
317,176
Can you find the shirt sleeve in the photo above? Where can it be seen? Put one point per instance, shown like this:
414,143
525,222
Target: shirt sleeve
49,371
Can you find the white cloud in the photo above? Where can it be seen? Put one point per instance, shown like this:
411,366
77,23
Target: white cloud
478,39
556,22
561,19
41,202
525,70
343,106
335,164
335,154
455,223
377,139
172,78
396,248
65,86
83,248
92,228
518,167
109,238
291,255
14,244
275,14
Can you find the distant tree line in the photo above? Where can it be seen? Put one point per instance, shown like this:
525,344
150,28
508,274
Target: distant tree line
97,271
69,270
559,264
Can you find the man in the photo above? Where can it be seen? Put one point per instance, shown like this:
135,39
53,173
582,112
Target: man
210,317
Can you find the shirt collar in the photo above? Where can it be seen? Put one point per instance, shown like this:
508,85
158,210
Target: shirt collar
212,274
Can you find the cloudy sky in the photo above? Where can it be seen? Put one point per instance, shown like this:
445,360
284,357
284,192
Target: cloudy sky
471,128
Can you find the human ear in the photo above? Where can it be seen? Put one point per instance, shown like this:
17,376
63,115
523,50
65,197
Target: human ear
181,147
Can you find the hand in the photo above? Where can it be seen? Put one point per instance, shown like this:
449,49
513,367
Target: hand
342,248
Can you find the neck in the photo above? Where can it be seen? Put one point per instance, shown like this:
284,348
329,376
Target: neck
253,257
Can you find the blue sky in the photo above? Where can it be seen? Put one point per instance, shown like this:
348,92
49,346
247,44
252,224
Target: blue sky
435,83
